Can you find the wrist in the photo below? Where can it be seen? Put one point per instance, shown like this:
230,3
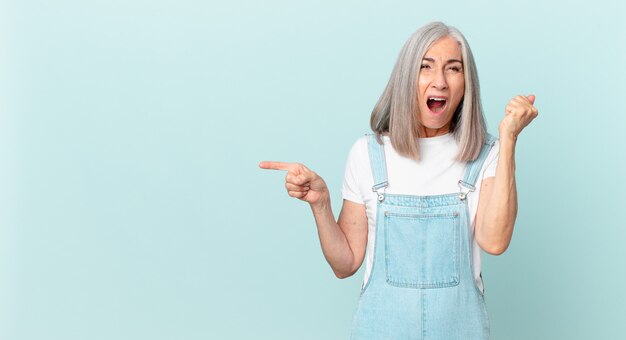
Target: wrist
507,138
322,203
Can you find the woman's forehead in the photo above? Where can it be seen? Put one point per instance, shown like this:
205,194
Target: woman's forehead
446,48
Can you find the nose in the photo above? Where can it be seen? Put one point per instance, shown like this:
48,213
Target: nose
439,82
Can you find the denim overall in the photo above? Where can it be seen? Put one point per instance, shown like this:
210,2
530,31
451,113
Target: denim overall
422,283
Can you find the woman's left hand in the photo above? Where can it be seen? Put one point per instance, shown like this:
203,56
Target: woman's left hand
519,113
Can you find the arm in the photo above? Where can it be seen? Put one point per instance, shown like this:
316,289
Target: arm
497,205
343,241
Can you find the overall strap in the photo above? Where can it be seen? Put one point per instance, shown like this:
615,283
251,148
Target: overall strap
378,164
473,168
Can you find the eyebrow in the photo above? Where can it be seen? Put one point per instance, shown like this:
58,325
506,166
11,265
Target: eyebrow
447,62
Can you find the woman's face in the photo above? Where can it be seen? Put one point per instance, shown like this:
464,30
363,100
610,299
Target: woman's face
441,85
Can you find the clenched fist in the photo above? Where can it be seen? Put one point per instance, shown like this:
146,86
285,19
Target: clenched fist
518,114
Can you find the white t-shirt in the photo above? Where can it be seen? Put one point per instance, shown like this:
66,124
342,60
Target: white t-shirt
436,173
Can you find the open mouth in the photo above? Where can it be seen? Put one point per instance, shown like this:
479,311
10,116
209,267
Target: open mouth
436,105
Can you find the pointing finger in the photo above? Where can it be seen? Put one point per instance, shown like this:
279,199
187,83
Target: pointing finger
275,165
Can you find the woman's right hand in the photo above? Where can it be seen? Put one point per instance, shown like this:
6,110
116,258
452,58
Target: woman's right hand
301,182
343,241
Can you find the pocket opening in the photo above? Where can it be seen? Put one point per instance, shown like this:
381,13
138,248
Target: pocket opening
422,250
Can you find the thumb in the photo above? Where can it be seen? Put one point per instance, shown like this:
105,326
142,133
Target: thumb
531,97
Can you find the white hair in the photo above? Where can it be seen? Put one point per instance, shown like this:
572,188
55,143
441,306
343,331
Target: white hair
396,112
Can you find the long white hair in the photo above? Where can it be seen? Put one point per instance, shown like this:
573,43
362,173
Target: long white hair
396,112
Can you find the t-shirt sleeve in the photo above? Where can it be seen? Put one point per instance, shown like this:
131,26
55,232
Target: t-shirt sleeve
350,189
491,162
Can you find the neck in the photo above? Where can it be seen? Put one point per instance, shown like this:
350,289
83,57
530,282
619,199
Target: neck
427,133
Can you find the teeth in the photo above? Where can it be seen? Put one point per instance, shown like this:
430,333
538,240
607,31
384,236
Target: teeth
437,99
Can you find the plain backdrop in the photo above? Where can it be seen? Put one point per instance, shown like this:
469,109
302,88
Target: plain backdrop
132,207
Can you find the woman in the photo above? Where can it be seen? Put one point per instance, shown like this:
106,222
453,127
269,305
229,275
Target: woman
422,195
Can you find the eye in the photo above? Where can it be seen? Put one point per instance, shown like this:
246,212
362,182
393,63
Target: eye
425,66
455,68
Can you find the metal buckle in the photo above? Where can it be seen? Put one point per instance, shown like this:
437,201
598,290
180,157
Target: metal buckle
381,194
379,189
469,187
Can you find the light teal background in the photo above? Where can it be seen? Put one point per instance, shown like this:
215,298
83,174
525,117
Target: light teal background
131,205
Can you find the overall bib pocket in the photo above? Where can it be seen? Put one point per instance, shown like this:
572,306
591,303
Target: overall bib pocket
422,250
